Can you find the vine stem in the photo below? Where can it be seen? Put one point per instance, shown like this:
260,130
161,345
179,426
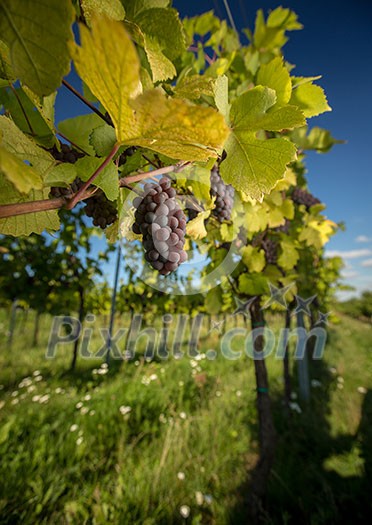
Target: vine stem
22,208
76,198
86,102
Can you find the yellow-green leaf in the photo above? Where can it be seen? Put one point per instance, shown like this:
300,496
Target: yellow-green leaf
196,228
108,63
21,175
29,223
111,8
276,76
176,128
253,258
311,99
289,255
37,34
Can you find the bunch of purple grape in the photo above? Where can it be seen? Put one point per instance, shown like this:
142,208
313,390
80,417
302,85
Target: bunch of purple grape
301,196
224,194
57,191
101,210
67,154
162,223
270,248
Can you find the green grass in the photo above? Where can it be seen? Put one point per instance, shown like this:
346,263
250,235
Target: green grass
69,456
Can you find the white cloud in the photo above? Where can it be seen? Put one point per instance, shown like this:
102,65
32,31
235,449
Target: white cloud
349,274
363,238
349,254
367,263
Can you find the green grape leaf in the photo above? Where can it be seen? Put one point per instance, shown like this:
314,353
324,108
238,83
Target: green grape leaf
61,175
253,258
37,34
26,118
196,227
310,99
103,139
108,63
276,76
176,128
283,17
111,8
252,284
221,95
45,107
194,86
107,180
318,139
289,255
254,166
79,129
13,140
23,176
6,70
164,26
29,223
135,7
213,301
196,179
161,67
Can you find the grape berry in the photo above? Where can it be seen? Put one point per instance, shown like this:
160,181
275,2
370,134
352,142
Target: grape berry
162,223
101,210
67,154
224,194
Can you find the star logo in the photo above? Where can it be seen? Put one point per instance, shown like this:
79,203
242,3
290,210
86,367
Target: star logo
277,296
323,318
303,304
243,307
216,325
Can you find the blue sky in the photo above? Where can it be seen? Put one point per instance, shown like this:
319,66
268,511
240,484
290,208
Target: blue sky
336,42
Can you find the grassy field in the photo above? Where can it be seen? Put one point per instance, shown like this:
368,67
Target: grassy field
167,442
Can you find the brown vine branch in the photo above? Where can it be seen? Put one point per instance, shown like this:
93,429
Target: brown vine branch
76,198
86,102
23,208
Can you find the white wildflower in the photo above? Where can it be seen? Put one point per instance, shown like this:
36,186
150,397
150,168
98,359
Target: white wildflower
136,363
181,476
199,497
84,410
15,393
153,377
79,440
74,427
208,499
362,390
296,407
79,405
36,373
104,366
185,511
193,363
38,378
183,415
87,397
162,418
340,386
162,370
58,390
124,410
92,412
218,393
340,379
15,401
333,370
238,393
181,384
44,399
35,399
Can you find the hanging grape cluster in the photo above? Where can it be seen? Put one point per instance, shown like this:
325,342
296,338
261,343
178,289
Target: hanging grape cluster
101,210
66,154
162,223
224,194
301,196
57,191
270,248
